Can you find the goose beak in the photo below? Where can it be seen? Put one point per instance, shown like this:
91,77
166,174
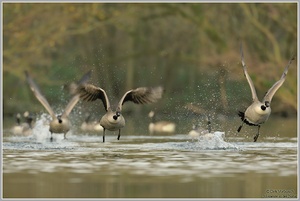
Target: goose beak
267,104
116,115
59,119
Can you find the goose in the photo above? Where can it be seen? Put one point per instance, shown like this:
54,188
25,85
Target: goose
258,112
160,126
59,123
91,126
198,130
17,129
28,118
113,119
24,129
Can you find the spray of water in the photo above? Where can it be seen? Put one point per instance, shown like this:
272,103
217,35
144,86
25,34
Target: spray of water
214,141
41,132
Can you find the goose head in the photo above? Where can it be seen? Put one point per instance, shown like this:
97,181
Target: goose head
28,118
151,114
265,106
59,119
267,103
18,118
117,115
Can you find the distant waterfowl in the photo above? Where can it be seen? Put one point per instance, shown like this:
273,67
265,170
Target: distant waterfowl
59,123
91,126
17,129
28,118
24,129
258,112
208,139
167,127
113,119
199,130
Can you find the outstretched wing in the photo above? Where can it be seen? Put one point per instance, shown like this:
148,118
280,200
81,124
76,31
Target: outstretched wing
253,91
85,78
39,95
71,105
142,95
270,93
89,92
71,87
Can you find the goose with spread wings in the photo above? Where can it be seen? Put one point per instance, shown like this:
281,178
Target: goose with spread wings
59,123
113,119
258,112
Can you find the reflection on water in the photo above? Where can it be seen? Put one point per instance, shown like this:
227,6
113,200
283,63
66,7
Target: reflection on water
143,166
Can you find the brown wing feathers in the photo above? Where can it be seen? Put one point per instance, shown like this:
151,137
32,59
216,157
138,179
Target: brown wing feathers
89,92
143,95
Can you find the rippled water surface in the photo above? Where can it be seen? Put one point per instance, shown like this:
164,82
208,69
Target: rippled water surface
143,166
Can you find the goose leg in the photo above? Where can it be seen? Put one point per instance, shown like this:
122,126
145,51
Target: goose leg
103,134
256,136
51,138
65,136
209,125
119,134
239,129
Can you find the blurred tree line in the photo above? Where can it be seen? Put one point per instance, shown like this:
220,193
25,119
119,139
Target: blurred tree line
192,49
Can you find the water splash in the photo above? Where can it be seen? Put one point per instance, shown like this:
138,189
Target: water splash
40,138
41,132
214,141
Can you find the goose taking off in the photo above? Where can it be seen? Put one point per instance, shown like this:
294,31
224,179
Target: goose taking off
59,123
113,119
258,112
160,126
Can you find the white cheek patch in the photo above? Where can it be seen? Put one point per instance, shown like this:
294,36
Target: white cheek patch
259,110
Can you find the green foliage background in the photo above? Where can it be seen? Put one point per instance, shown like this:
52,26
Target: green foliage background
192,49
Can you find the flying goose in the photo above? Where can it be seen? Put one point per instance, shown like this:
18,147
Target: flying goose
160,126
113,119
59,123
258,112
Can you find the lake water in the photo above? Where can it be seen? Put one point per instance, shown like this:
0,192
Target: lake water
159,166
